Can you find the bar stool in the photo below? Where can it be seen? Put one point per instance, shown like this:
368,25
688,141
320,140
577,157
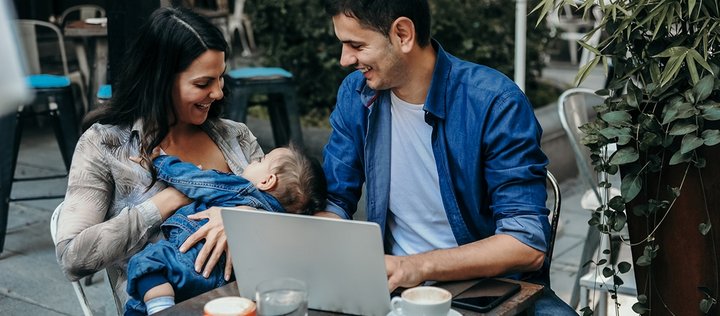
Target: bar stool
278,85
61,108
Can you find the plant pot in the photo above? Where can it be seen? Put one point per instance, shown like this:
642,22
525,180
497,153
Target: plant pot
686,259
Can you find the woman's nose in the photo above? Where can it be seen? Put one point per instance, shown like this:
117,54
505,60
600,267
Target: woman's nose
217,93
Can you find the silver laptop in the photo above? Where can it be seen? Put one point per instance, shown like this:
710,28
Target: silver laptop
342,262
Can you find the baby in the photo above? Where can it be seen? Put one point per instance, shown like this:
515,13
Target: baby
285,180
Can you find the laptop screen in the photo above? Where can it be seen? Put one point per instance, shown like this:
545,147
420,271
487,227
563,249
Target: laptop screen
342,262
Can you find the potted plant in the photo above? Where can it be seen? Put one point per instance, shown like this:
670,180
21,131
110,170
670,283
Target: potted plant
663,113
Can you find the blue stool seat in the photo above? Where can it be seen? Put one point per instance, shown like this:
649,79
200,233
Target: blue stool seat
277,84
104,92
43,81
259,72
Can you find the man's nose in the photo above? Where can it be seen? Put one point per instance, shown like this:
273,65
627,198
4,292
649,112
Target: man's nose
347,57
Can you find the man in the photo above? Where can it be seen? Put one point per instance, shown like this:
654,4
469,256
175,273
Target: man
449,150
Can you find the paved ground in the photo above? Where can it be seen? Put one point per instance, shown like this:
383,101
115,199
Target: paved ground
31,282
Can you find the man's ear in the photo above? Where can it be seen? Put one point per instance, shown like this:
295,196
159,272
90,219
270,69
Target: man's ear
269,183
402,33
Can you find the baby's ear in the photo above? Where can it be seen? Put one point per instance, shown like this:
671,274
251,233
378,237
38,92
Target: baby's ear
269,183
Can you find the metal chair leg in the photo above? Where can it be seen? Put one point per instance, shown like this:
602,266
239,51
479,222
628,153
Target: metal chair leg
8,124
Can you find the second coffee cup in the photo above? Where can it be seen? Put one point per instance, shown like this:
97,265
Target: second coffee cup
422,301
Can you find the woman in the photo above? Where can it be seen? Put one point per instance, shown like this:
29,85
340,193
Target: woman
168,96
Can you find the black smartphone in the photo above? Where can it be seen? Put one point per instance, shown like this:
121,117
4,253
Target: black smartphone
485,295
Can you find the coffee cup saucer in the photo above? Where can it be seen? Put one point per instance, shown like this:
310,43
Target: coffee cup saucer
451,312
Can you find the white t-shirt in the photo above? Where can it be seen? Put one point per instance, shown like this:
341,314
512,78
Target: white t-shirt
417,219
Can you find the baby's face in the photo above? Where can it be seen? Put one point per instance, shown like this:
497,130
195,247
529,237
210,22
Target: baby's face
259,170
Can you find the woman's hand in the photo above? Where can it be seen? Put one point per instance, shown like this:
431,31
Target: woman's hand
215,242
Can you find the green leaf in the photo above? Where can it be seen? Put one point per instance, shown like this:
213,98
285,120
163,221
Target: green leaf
705,228
703,88
617,203
690,62
624,267
678,157
691,6
624,155
620,220
711,137
640,308
700,60
711,112
690,142
607,272
586,311
618,280
706,304
673,52
650,140
617,117
630,187
682,128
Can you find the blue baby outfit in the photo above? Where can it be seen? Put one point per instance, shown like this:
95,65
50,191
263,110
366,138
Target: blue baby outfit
162,261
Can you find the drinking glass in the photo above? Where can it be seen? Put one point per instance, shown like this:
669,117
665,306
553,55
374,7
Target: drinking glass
282,296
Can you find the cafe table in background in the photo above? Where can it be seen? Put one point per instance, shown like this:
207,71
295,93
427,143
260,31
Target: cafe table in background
91,48
522,302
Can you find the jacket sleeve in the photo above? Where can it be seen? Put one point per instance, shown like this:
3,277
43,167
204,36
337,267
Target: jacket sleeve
86,241
343,154
208,186
515,170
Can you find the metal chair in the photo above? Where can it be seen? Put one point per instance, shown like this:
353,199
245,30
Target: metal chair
240,23
79,291
554,215
566,26
575,109
57,91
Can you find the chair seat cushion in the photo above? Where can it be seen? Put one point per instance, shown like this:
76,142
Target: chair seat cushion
105,92
44,81
259,73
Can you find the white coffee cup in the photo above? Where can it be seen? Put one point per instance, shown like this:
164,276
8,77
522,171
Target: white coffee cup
422,301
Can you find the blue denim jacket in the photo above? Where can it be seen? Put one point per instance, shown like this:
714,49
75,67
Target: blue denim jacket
206,188
486,142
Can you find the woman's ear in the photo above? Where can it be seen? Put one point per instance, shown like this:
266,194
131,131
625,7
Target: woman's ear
269,183
402,33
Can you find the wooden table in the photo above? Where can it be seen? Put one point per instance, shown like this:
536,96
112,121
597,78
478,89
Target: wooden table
91,49
518,303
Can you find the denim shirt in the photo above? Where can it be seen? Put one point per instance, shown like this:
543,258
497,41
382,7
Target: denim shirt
486,143
209,188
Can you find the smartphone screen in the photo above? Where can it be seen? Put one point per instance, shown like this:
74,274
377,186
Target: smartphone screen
485,295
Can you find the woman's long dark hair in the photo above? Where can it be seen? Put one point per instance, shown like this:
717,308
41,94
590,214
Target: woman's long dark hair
167,44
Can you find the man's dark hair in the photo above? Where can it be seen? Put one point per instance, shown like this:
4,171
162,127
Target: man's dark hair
379,15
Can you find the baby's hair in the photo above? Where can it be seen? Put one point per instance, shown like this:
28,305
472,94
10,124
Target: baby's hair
302,188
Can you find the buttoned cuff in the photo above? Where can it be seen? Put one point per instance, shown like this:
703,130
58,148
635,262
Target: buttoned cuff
149,212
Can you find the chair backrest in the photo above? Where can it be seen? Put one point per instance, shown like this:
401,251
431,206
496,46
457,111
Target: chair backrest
28,30
79,292
81,12
554,215
575,108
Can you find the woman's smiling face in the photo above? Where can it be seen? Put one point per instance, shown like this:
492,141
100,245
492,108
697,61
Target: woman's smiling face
197,87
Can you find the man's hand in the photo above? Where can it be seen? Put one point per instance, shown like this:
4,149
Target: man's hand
403,271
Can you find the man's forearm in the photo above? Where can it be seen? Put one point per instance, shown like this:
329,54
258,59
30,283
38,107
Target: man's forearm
493,256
